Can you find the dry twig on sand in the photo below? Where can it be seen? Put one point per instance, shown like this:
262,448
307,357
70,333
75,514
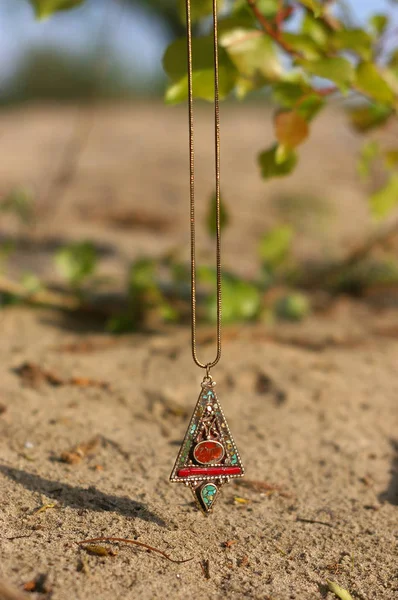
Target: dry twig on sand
136,543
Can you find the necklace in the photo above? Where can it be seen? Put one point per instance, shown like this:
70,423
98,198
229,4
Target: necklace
208,457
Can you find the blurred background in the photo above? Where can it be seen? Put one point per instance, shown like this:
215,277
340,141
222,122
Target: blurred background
94,170
112,46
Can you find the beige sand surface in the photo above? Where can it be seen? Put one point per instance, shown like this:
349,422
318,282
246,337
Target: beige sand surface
313,407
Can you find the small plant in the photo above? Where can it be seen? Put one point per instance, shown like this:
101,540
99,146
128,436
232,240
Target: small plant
302,55
18,202
76,262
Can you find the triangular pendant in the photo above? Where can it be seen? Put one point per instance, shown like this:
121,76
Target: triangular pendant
208,457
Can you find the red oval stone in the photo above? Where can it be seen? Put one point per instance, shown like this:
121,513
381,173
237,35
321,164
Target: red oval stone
208,451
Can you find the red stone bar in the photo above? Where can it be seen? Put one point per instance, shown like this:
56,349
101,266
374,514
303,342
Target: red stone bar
210,471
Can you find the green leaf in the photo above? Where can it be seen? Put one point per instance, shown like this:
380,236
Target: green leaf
385,199
393,60
144,293
175,65
178,92
303,44
45,8
366,117
391,158
356,40
339,591
291,129
314,5
336,69
206,275
316,29
298,95
378,23
175,57
275,246
211,216
76,262
288,93
6,249
20,203
199,9
252,53
202,85
371,83
390,76
293,307
233,23
268,8
367,273
168,313
369,151
142,276
272,167
120,324
309,106
282,154
241,301
31,283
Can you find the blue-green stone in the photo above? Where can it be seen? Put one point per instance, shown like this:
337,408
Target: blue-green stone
208,494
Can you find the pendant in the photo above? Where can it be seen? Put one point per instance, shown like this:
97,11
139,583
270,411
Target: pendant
208,457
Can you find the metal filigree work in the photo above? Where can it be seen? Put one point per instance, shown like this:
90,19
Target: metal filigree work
208,457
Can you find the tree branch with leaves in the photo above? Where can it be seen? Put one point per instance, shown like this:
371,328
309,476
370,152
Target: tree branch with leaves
300,56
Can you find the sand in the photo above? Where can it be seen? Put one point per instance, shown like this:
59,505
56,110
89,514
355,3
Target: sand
312,407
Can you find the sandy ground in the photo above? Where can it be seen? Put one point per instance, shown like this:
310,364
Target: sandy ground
312,407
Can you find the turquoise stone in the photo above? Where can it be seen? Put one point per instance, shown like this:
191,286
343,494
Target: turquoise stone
208,494
234,459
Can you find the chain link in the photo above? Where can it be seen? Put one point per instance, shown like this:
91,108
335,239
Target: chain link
211,364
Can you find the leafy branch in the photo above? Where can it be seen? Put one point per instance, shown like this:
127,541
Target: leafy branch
274,33
301,69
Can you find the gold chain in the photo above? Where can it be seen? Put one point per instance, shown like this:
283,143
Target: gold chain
207,365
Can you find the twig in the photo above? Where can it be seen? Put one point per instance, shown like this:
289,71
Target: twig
52,299
327,91
273,33
262,486
276,35
314,522
43,297
77,142
282,14
205,566
68,165
141,544
328,19
279,16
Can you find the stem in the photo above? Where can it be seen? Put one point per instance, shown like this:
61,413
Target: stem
41,297
141,544
60,301
274,34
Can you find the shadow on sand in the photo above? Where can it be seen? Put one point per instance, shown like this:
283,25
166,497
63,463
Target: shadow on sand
391,493
84,498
